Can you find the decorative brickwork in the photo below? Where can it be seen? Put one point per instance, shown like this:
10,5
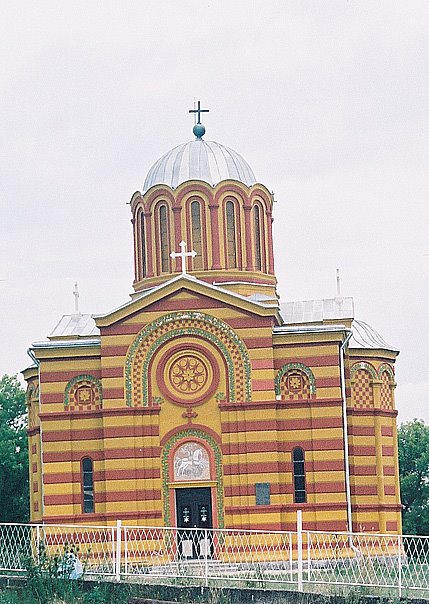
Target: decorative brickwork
295,382
362,376
83,393
180,324
385,372
33,405
188,435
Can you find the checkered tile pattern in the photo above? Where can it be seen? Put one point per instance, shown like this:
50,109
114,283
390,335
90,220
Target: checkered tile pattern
362,391
295,386
185,324
33,408
386,391
94,399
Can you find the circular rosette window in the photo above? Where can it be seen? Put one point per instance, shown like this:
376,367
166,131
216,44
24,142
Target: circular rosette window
188,377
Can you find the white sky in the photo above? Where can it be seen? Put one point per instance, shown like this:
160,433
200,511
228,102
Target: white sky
327,101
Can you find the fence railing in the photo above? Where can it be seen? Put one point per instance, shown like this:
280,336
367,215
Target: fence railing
302,560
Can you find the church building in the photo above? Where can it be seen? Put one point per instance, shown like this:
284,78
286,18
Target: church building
202,400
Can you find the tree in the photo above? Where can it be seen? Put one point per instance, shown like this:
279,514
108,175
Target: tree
413,444
14,500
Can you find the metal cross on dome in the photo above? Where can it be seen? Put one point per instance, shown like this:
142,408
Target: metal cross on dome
198,111
183,254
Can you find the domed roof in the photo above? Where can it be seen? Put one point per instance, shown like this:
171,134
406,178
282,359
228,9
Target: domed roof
199,160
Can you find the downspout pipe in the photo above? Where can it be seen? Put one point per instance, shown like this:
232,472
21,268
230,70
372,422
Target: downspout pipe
36,361
345,429
33,358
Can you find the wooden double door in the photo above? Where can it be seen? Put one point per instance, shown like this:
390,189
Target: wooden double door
194,519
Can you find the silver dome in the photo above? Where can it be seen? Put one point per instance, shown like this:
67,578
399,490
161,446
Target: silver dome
199,160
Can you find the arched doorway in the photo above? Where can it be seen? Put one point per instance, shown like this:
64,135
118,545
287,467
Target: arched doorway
193,492
191,466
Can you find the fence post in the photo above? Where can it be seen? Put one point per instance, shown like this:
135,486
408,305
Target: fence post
118,550
308,556
125,538
399,567
206,560
38,543
299,545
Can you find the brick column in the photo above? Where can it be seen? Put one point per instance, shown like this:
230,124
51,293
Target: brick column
177,210
248,238
148,236
214,223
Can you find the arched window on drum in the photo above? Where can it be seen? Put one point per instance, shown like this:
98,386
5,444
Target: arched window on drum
142,244
257,224
231,244
196,233
164,238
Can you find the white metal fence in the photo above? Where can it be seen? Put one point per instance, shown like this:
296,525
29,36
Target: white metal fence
302,560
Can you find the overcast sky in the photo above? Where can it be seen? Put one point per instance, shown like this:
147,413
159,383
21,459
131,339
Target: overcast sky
327,101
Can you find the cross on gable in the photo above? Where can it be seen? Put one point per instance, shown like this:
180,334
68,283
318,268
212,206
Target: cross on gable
183,254
199,111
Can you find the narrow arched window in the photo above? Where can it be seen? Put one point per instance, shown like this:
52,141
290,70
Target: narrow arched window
142,246
230,235
87,485
163,238
196,234
257,231
299,475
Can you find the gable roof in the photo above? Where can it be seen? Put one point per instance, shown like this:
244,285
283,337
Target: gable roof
194,285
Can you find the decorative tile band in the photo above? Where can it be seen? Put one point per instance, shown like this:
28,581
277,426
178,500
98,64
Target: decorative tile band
177,324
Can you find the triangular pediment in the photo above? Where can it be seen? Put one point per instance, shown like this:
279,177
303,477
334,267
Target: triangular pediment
168,295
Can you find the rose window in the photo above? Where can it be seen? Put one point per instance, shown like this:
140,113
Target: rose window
188,374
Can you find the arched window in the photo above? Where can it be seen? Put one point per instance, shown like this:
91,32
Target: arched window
257,231
163,238
87,485
196,234
230,235
142,246
299,475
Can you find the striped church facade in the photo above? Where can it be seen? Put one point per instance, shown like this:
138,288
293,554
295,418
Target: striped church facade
270,392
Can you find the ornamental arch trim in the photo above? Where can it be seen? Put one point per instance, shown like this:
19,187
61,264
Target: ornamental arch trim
294,366
188,435
386,368
366,366
82,380
178,324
